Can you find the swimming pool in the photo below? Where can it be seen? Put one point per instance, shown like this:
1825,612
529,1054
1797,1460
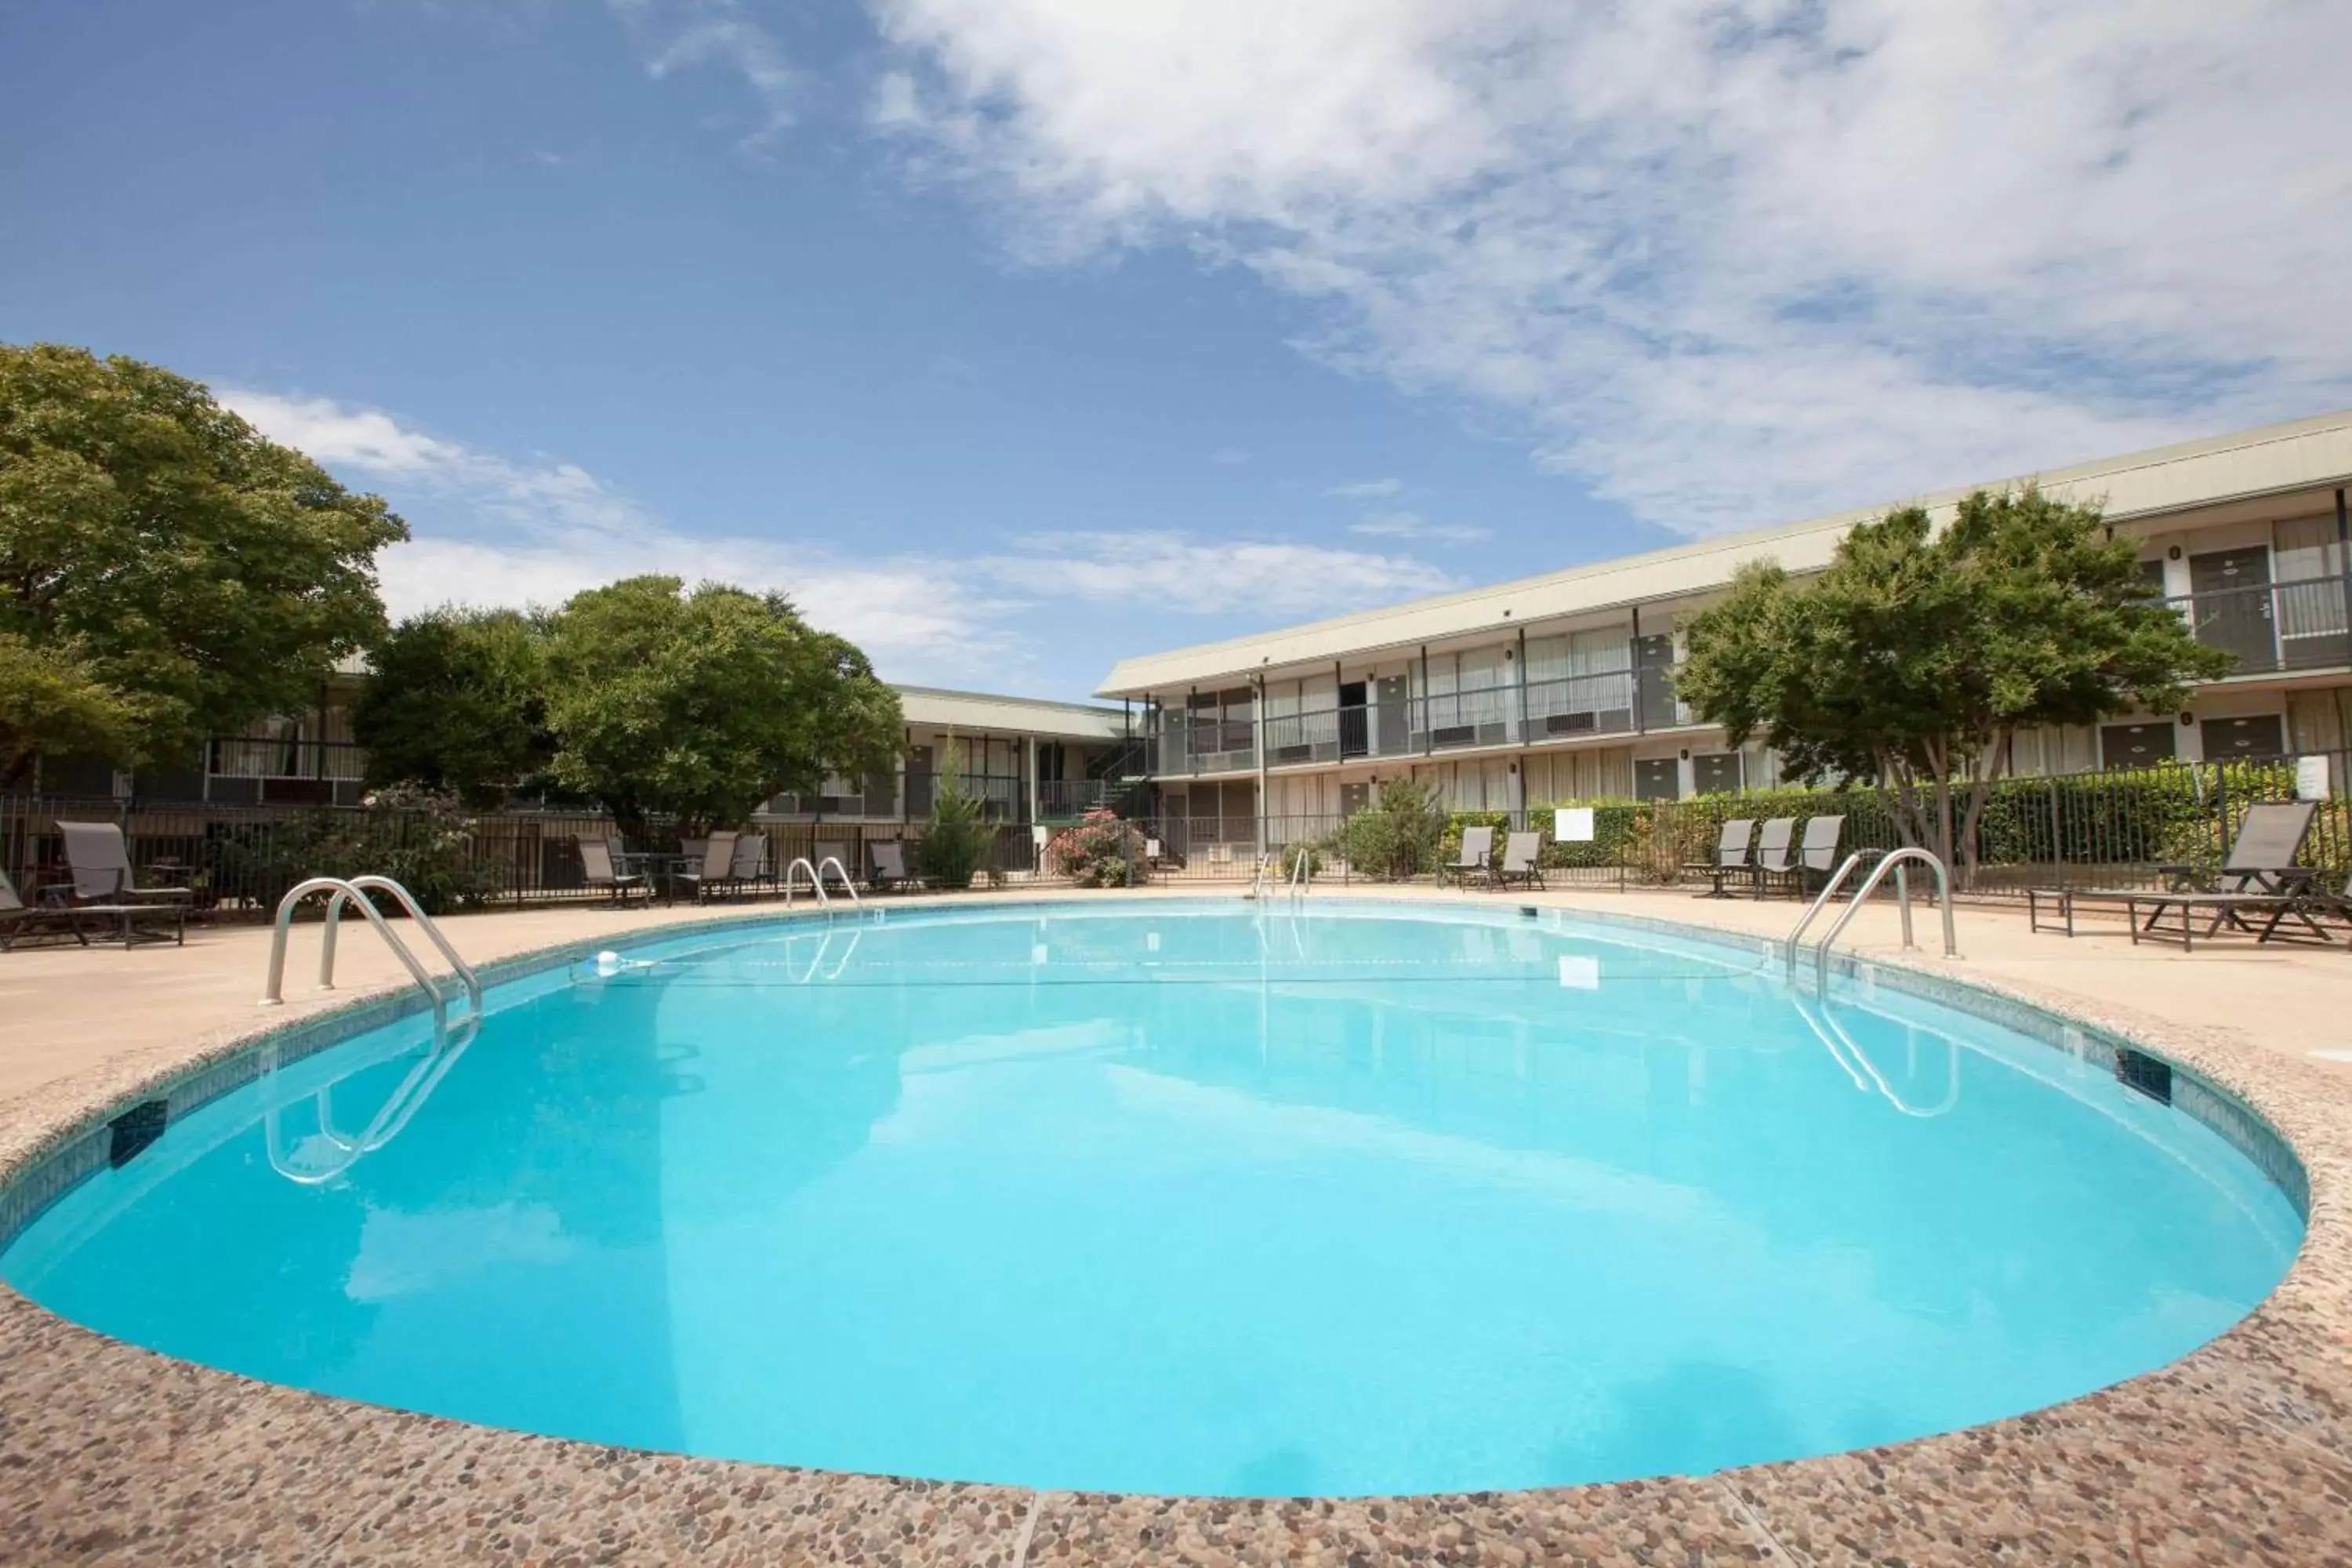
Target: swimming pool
1183,1197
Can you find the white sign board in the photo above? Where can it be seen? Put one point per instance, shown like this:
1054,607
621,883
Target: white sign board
1041,836
2311,778
1572,825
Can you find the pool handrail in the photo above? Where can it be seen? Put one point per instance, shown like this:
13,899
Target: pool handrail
816,883
274,987
1894,863
356,888
840,871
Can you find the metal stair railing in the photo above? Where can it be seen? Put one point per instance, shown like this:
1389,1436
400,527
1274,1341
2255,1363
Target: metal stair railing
1894,863
839,870
816,883
355,890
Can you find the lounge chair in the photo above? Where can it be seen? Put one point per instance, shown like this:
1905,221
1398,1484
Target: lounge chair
820,853
752,865
887,871
1730,854
19,920
1817,856
1477,853
1520,852
1772,852
2258,876
596,858
101,867
717,872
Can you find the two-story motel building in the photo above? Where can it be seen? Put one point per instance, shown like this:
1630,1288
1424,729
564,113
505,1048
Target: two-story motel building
1561,686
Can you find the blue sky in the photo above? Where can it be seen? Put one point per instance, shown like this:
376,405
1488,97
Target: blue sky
1012,336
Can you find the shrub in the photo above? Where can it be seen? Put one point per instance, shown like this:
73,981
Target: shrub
1289,854
418,839
957,843
1101,851
1397,837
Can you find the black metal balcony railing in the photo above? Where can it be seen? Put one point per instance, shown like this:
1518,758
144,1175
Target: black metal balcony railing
1616,703
2276,626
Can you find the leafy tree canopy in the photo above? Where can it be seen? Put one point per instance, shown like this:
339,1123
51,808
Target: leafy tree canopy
207,576
51,705
458,705
702,705
1919,654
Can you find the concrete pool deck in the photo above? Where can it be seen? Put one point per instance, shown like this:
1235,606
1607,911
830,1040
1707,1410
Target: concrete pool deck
2233,1454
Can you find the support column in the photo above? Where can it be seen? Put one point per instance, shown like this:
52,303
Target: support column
1257,734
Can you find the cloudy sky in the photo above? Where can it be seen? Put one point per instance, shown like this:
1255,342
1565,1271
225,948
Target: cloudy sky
1010,336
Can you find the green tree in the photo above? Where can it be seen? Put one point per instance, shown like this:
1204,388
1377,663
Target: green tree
956,844
1918,654
702,705
51,705
458,704
207,575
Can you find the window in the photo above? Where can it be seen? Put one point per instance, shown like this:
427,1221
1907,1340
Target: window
1657,778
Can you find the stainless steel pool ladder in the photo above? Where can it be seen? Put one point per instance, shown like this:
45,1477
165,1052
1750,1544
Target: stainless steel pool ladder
355,890
816,880
1896,863
1302,872
840,871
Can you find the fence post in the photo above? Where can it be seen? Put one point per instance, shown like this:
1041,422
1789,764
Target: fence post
2057,839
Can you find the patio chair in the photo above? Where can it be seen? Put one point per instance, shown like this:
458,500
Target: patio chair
1520,852
752,864
888,870
2259,875
717,872
820,853
1817,856
1772,852
596,858
2299,899
102,867
19,920
1477,853
1730,854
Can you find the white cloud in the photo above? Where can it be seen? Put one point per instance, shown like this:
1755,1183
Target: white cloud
538,532
1731,261
1412,525
1366,490
1178,572
679,34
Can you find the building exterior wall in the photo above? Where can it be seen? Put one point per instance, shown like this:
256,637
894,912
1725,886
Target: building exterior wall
1561,687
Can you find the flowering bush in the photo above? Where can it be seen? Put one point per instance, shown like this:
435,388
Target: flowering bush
1101,851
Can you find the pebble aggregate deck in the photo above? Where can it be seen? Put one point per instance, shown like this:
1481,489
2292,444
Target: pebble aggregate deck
112,1453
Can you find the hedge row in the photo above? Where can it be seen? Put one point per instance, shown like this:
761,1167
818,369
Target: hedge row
2169,813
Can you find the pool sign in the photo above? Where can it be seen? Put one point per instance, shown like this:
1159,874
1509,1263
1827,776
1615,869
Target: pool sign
1572,825
2311,778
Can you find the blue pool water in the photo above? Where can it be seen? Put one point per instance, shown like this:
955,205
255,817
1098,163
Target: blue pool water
1184,1198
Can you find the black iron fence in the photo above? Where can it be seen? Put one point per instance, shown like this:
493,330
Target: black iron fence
2111,829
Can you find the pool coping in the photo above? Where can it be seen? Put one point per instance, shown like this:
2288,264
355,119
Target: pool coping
2229,1454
